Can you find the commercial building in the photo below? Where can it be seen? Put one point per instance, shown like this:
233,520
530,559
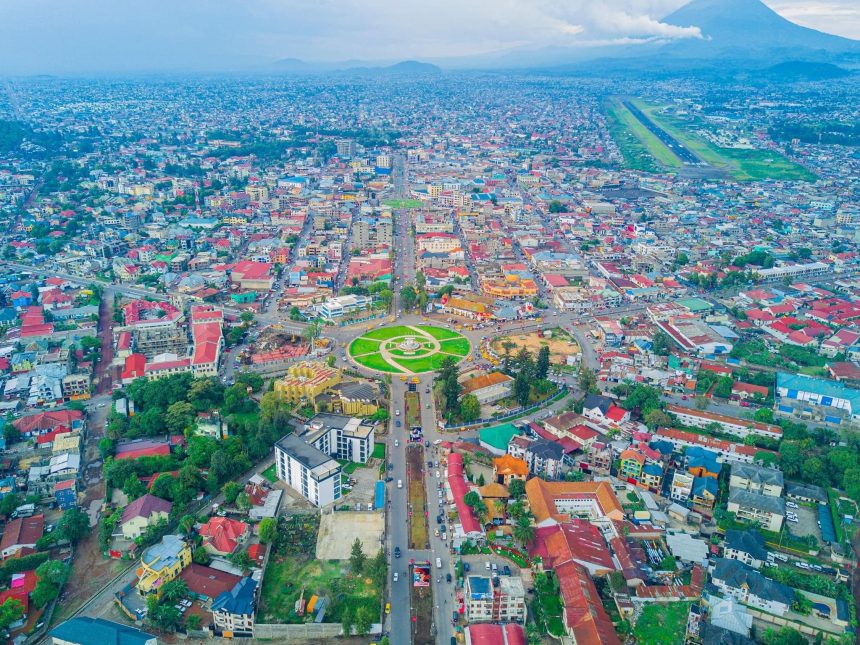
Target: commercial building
340,306
308,471
555,502
816,399
489,388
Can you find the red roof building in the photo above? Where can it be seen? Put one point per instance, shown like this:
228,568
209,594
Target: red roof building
221,535
43,422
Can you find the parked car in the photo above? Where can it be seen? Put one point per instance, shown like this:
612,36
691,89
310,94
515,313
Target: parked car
397,552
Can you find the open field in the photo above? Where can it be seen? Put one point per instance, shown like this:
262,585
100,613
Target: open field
641,149
424,364
561,345
742,165
662,624
376,362
386,333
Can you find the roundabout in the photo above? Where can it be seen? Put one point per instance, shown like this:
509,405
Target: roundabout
408,349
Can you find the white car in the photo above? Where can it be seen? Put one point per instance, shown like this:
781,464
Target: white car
395,577
791,505
396,443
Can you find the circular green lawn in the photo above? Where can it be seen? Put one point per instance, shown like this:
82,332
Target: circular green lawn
412,349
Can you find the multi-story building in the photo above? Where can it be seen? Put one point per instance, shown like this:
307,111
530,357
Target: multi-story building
341,436
731,425
744,583
764,510
76,386
499,599
746,546
765,481
162,563
308,471
340,306
233,611
682,486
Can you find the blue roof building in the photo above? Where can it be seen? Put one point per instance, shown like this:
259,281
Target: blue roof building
821,399
97,631
233,611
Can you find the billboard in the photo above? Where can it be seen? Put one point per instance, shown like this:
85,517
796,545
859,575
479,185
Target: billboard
421,574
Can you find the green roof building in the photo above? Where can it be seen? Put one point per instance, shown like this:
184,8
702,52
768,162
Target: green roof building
496,438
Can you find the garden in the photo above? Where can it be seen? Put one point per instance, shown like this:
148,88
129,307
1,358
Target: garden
546,608
293,573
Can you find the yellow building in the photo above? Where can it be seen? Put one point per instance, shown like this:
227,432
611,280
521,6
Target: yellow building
162,563
306,381
511,286
355,399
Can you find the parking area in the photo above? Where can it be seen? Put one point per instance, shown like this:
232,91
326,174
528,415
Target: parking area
807,521
363,488
338,531
478,564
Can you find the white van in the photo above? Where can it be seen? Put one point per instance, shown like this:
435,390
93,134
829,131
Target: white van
399,483
438,563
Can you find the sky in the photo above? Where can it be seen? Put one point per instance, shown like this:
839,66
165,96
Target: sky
79,36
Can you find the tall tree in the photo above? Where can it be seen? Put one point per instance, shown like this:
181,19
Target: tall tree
542,365
522,387
470,408
357,558
587,379
408,297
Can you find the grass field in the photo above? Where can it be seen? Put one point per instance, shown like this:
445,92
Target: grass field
271,473
403,203
363,346
376,362
742,165
378,450
424,364
439,333
662,624
458,346
640,148
385,333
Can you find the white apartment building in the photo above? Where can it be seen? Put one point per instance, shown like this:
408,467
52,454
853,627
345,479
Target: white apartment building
308,471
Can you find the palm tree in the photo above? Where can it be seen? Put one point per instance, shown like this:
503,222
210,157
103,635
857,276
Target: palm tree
523,531
174,590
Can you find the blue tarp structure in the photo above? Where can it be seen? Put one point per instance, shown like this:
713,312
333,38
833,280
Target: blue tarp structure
828,532
379,498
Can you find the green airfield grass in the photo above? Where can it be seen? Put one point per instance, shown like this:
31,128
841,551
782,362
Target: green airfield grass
742,165
644,148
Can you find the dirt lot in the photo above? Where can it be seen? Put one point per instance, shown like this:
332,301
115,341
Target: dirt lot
90,570
332,541
561,345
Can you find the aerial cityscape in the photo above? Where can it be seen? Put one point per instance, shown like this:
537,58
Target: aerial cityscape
427,340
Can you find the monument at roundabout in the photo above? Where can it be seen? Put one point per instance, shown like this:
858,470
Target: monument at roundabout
408,349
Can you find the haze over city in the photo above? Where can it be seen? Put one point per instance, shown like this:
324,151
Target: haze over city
45,36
